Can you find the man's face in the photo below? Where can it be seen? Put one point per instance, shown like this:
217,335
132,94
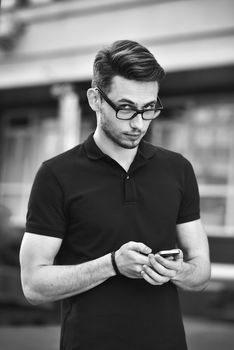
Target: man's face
127,93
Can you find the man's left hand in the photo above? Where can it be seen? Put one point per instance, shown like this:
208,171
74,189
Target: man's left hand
162,270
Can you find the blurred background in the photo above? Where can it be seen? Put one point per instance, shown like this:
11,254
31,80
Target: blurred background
47,48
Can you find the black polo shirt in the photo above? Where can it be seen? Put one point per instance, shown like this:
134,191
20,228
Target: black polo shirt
86,198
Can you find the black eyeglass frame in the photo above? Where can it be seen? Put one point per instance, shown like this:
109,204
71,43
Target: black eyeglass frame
137,111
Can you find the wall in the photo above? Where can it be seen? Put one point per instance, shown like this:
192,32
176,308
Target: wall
59,40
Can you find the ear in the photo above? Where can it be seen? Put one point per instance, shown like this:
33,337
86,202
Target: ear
93,99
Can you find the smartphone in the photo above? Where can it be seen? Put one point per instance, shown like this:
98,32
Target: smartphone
169,253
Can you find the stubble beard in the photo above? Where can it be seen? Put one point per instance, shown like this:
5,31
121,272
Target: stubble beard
121,142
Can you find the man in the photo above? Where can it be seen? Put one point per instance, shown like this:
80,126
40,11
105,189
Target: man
104,209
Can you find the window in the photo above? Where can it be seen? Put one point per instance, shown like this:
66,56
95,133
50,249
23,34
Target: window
28,137
204,133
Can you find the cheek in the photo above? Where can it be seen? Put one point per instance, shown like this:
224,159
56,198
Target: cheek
147,124
110,123
106,123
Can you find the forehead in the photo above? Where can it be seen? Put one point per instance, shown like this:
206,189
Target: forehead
136,91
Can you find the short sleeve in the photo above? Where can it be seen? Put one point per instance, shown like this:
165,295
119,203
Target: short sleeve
190,204
45,214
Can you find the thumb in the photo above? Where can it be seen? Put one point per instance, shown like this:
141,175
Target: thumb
179,256
140,247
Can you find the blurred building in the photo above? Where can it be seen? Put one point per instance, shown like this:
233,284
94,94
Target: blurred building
46,53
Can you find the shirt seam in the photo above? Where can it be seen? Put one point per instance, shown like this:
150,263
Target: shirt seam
47,229
189,217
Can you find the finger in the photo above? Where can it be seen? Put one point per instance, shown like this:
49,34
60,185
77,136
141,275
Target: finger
167,271
136,272
141,259
154,275
179,256
139,247
168,264
148,279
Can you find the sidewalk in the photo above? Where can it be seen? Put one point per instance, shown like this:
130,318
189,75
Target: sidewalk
201,335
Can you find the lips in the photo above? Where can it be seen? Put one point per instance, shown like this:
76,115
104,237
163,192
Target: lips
133,137
133,134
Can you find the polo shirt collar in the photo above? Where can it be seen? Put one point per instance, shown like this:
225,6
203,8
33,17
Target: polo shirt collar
145,149
92,150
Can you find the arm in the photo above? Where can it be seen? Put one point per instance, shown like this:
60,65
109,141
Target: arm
191,269
43,281
194,269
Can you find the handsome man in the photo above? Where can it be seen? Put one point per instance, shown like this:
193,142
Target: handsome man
105,208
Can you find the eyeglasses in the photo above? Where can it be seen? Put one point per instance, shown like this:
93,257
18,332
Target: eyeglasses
130,113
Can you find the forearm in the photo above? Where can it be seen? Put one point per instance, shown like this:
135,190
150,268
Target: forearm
55,282
194,274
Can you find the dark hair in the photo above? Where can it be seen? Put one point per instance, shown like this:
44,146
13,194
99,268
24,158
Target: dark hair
127,59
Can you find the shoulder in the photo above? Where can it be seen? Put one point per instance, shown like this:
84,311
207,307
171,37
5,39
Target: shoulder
165,155
58,168
65,159
168,161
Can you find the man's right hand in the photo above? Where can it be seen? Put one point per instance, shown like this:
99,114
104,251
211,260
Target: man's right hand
131,257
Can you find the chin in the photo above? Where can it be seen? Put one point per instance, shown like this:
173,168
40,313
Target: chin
129,145
122,141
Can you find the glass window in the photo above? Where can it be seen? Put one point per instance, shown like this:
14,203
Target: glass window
27,139
204,133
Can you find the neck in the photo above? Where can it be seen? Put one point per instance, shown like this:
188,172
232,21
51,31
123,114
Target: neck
121,155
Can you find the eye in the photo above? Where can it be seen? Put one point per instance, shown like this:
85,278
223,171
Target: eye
126,106
150,106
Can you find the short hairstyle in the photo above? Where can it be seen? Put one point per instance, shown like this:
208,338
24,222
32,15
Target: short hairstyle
127,59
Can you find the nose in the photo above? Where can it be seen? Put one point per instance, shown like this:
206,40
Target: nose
137,122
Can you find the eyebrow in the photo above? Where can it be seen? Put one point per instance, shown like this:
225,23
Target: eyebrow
125,100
